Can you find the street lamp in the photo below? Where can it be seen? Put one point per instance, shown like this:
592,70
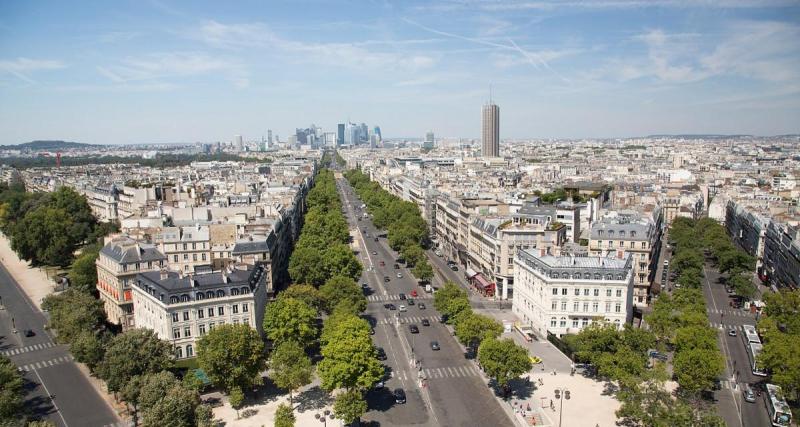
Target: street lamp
323,417
561,398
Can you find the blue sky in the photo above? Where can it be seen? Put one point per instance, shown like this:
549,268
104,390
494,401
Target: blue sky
164,71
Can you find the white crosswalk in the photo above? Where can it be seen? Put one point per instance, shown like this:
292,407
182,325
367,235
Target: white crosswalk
21,350
725,327
738,313
406,320
47,363
396,297
450,372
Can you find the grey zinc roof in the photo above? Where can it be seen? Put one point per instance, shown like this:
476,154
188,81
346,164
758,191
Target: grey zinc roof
250,247
183,283
128,251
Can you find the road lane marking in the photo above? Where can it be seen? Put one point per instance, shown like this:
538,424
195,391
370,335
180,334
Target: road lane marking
51,399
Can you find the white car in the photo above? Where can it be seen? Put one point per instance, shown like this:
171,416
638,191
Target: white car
402,308
399,275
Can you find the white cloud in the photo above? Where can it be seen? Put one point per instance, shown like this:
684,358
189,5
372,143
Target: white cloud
509,5
22,67
159,66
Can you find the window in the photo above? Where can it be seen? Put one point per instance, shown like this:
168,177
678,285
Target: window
211,312
563,306
617,307
175,258
552,306
200,314
633,234
586,292
210,294
220,293
608,307
553,322
621,243
575,306
176,333
194,245
563,322
202,329
174,317
184,298
211,326
186,257
244,308
555,291
619,293
608,292
221,310
632,244
621,233
178,352
574,323
584,322
644,245
563,291
199,296
234,291
187,332
184,246
173,300
235,308
185,315
203,256
585,307
577,292
245,290
597,292
189,351
595,307
194,257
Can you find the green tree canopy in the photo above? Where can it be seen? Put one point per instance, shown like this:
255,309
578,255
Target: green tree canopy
340,289
473,328
290,319
423,271
232,356
131,353
349,357
73,312
290,367
503,359
696,369
349,406
306,293
11,391
83,274
284,416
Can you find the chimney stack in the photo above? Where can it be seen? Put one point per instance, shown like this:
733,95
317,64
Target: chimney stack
620,254
164,274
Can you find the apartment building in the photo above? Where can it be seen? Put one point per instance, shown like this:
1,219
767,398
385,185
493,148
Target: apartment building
103,200
118,263
187,249
633,233
181,308
564,294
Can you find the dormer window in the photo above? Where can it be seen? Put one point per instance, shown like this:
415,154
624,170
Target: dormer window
184,298
633,234
622,233
173,300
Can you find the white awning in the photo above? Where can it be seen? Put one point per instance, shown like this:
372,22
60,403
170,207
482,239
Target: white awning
471,273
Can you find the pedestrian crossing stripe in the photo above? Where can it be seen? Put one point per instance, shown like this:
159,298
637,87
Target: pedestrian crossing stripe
27,349
450,372
396,297
47,363
405,320
739,313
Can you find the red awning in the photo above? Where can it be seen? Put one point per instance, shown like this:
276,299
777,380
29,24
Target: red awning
482,281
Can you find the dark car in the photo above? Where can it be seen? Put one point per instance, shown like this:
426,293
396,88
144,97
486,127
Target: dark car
365,285
391,307
413,328
376,239
399,396
381,353
435,345
29,332
396,266
454,267
402,296
410,302
426,322
386,279
421,306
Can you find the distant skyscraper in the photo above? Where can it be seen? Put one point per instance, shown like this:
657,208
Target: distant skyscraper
377,132
239,142
269,138
491,130
429,141
363,133
340,134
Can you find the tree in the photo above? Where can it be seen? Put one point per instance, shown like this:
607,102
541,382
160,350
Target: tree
89,347
204,416
735,259
73,312
349,357
503,359
176,408
289,319
784,308
340,289
696,369
779,356
695,336
307,265
473,328
349,406
447,293
153,388
306,293
742,284
11,391
236,398
284,416
232,356
338,259
291,368
131,353
83,274
423,271
413,254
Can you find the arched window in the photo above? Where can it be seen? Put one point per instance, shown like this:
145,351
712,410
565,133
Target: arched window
245,290
633,233
563,322
610,233
609,276
234,291
220,293
173,300
565,275
597,276
619,277
587,276
199,296
210,294
179,352
189,351
621,233
553,322
184,298
576,276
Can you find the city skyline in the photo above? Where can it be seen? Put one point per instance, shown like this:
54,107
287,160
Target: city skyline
163,72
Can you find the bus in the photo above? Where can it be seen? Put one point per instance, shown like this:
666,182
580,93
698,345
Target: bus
753,350
779,412
750,334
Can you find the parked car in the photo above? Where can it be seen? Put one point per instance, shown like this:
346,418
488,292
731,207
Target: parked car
386,279
732,332
29,332
392,307
402,308
399,396
435,346
438,253
399,275
426,322
656,355
382,263
421,306
376,239
381,353
397,266
454,267
379,385
413,293
748,393
410,302
413,329
374,253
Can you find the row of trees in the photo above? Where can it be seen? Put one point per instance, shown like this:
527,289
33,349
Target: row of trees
503,360
407,231
47,228
780,331
694,239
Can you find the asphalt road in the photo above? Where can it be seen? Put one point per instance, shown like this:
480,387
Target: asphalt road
56,389
443,388
730,402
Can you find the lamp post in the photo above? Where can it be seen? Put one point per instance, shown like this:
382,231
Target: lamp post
561,398
323,418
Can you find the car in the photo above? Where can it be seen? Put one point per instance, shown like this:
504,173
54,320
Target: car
396,266
749,395
399,275
421,306
450,263
380,353
666,262
402,296
29,332
400,260
732,332
438,253
426,322
414,293
399,396
382,264
435,346
372,331
413,329
454,267
379,385
374,253
402,308
365,285
410,302
392,307
386,279
376,239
